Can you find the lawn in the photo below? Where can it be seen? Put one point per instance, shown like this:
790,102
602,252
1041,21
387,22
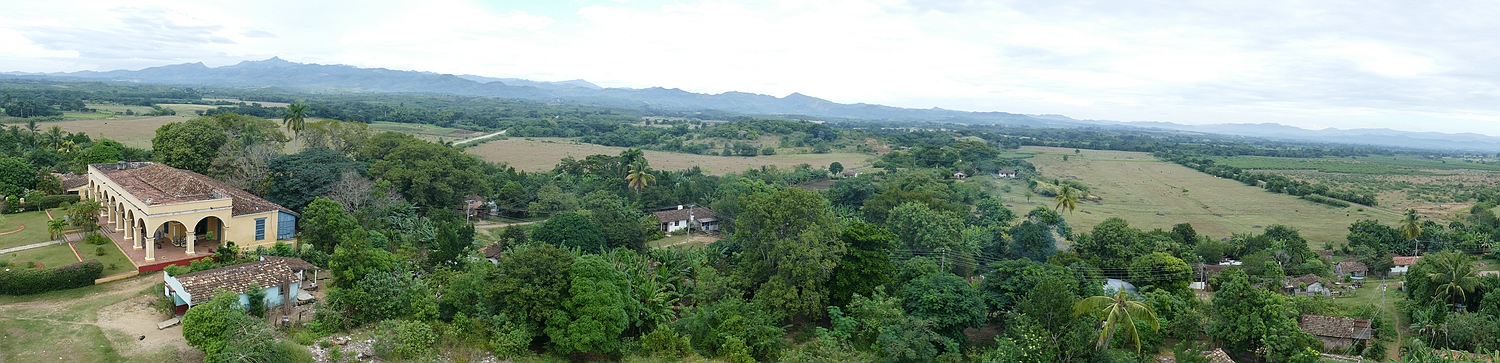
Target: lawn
1151,194
35,232
48,257
537,154
112,257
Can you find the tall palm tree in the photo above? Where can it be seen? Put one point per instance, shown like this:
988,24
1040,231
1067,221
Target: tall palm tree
639,175
1116,310
1067,198
295,119
1411,226
1454,276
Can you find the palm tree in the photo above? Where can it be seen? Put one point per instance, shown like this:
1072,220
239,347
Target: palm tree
295,119
1411,226
639,175
56,226
85,214
1115,310
1454,276
1067,198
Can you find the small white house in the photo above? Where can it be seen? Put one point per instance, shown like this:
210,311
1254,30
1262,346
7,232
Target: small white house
1007,173
676,219
1403,263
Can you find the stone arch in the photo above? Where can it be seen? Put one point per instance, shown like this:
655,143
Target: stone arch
210,227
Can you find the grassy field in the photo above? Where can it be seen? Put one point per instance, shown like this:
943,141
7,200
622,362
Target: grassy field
1384,165
99,323
129,130
1150,194
535,154
424,131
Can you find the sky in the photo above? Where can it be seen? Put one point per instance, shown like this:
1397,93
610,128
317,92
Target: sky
1405,65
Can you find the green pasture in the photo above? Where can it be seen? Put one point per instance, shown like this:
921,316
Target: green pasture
1151,194
1384,165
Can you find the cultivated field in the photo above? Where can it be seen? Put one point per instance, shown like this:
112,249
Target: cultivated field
1150,194
1436,188
535,154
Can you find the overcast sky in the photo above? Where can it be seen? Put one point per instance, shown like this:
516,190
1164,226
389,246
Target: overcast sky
1407,65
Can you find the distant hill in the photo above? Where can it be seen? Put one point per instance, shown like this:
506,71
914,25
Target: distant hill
276,72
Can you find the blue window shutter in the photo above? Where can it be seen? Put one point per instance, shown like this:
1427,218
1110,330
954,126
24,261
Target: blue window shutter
260,229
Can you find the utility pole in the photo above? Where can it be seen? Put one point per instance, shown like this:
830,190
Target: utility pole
690,222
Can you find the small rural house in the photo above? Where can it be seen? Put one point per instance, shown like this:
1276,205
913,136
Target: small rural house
1353,269
850,174
1214,356
474,207
492,253
151,206
959,175
1306,285
676,219
1403,263
275,276
1336,332
1007,173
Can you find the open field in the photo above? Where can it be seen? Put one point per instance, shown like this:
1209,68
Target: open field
129,130
1436,188
101,323
1150,194
48,257
424,131
534,154
1359,165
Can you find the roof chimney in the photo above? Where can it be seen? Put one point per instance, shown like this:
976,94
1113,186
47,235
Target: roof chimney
679,207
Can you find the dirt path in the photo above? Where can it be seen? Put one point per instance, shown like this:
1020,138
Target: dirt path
129,322
473,139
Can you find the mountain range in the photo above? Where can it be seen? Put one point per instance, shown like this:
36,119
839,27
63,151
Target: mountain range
276,72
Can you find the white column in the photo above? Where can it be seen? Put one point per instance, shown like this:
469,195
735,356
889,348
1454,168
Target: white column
119,221
141,236
145,236
190,238
129,229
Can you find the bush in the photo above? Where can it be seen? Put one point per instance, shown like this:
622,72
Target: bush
663,342
96,239
408,339
1325,200
509,342
99,251
305,337
32,281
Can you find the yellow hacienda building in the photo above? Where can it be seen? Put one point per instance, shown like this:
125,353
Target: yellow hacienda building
166,214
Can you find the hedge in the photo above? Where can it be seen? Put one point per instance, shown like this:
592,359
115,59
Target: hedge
1326,200
26,281
53,201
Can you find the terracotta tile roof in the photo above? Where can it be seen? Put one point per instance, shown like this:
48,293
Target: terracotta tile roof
474,201
296,264
1218,356
236,278
71,181
1352,266
1305,280
158,184
1405,260
1336,327
682,214
491,251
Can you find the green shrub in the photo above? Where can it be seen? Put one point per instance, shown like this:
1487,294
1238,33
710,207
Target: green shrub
664,342
735,351
32,281
95,239
99,251
408,339
54,201
305,337
509,341
336,354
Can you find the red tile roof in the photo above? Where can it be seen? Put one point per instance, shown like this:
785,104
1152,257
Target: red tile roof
158,184
682,214
1405,260
1352,266
1218,356
1337,327
236,278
